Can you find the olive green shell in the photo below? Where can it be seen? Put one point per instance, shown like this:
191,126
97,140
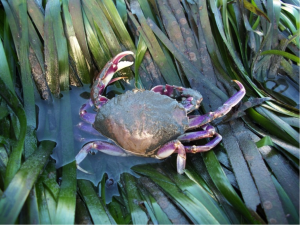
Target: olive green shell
141,121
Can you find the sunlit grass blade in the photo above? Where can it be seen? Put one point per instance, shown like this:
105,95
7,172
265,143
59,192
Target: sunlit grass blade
158,216
121,30
61,45
76,12
50,51
138,216
140,52
100,19
93,203
15,195
65,210
94,45
121,7
76,53
282,53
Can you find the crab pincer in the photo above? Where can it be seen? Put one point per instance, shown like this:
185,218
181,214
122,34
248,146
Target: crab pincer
105,77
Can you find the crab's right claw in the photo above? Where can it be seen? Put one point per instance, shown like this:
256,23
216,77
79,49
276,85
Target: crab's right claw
105,76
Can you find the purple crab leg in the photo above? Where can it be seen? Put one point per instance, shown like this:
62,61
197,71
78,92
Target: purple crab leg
192,97
101,146
171,147
85,116
206,147
105,76
88,128
221,111
208,131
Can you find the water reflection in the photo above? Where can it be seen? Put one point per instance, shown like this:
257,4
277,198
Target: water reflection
52,116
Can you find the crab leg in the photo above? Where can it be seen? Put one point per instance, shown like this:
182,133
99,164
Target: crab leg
208,131
105,76
85,116
101,146
204,148
88,128
192,97
171,147
221,111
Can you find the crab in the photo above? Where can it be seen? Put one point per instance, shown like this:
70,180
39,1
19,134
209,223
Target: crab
148,123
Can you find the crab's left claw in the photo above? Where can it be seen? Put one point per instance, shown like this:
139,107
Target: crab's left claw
105,76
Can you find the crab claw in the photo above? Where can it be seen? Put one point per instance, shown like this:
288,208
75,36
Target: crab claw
105,76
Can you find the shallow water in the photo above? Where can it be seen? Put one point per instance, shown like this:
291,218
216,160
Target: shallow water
53,125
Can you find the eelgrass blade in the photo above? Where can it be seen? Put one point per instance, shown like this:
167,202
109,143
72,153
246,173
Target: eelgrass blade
37,15
196,211
289,208
138,216
100,19
66,202
238,163
153,45
94,45
121,30
93,203
157,215
119,211
194,75
284,172
20,10
50,51
268,195
140,52
220,180
82,215
61,45
76,12
195,192
4,70
14,161
18,189
75,51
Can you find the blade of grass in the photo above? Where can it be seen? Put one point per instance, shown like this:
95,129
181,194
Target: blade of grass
65,210
61,45
93,203
14,161
121,30
76,12
196,212
14,196
4,70
220,180
291,213
138,216
50,51
268,195
20,9
100,19
75,52
153,45
37,15
193,75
